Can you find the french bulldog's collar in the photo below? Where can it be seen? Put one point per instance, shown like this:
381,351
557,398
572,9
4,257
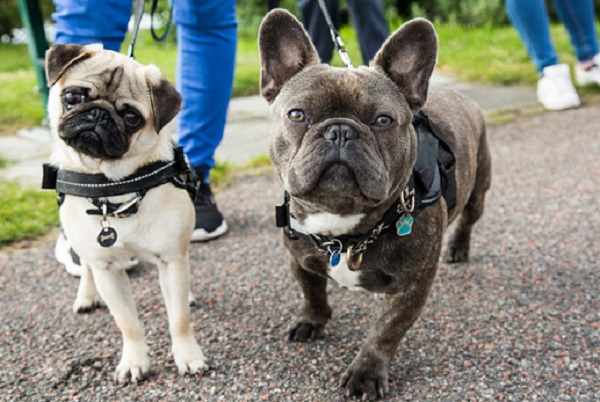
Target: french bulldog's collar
398,218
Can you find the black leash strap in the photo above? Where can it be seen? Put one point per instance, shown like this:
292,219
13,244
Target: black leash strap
335,36
139,13
167,29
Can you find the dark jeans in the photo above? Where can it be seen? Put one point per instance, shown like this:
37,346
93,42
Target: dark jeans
368,19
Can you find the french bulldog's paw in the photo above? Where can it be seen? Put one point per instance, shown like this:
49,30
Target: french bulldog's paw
368,382
457,254
132,368
86,304
303,331
188,356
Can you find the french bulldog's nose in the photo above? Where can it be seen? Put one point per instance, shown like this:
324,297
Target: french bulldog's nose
340,134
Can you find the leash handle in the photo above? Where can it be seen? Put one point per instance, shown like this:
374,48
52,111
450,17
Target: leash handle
139,12
335,36
168,29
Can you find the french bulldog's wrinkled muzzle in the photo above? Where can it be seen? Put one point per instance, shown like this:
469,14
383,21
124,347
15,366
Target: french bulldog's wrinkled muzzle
349,162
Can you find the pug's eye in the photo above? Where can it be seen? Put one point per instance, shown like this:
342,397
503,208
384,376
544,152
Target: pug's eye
132,118
73,97
383,121
297,116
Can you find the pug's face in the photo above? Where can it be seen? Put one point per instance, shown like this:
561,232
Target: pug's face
101,102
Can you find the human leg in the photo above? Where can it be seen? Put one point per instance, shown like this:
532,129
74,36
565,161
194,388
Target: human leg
87,21
370,24
530,19
315,24
207,40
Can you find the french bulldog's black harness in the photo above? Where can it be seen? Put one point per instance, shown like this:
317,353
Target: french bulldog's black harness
433,177
96,188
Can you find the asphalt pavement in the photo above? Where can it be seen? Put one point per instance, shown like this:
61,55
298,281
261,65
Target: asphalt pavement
519,322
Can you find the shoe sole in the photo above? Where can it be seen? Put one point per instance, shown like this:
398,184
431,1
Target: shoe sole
202,235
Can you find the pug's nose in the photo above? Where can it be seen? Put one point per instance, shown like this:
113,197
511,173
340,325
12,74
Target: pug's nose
340,134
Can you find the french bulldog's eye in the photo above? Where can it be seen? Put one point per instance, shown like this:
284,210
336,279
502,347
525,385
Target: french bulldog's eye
73,97
383,121
297,116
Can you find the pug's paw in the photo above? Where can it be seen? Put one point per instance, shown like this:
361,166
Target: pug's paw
303,331
457,254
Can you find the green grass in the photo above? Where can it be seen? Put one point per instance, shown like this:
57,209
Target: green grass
25,213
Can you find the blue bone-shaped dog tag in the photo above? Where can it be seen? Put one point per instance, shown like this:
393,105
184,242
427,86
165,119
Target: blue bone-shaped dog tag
404,224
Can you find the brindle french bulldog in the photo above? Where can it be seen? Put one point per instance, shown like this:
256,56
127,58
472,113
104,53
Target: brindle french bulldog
346,152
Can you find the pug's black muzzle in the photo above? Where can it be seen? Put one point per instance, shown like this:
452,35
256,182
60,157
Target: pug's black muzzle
94,132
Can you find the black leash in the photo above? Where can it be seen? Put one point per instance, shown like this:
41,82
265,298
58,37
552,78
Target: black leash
335,36
139,13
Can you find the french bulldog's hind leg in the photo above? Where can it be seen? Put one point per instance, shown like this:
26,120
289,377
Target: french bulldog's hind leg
310,324
87,298
458,246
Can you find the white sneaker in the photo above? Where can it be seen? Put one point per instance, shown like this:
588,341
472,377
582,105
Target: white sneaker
555,89
589,76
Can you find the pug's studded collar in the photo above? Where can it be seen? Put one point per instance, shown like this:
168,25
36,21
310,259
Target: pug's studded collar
96,188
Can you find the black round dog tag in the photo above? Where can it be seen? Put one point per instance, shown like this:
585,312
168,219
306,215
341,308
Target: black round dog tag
107,237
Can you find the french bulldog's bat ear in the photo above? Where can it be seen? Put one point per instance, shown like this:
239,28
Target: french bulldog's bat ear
408,57
285,49
166,101
60,57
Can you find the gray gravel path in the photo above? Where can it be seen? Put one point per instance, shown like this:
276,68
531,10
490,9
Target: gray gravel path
520,322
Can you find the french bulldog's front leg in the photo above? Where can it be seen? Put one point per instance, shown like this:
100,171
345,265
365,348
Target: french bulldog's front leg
115,289
87,296
174,283
310,324
367,376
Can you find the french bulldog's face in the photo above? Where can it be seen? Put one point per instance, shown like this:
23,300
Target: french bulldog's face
342,139
102,101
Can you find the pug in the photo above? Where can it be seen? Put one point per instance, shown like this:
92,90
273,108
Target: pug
375,167
124,190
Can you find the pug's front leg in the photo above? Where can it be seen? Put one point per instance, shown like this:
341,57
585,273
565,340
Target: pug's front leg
310,324
115,289
87,297
367,376
174,284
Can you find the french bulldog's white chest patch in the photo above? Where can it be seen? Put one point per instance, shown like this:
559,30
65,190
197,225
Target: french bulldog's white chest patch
343,275
335,225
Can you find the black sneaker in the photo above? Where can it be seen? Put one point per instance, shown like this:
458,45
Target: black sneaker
209,221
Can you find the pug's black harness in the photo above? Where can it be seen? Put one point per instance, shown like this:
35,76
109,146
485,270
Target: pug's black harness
96,188
433,177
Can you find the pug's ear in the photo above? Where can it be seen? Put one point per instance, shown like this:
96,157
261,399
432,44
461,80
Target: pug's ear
408,57
166,101
285,49
59,58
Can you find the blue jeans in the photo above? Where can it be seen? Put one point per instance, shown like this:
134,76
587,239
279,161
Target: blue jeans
367,15
207,40
530,19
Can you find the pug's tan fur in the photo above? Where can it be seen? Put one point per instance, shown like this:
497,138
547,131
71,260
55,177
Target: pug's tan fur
161,229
